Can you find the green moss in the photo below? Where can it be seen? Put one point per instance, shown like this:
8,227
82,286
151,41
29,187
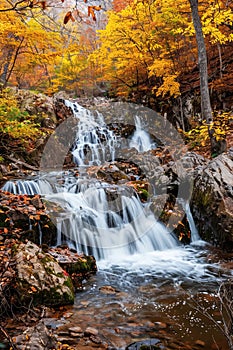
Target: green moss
69,283
143,195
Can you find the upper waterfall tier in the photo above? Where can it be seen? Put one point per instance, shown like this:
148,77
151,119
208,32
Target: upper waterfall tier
95,143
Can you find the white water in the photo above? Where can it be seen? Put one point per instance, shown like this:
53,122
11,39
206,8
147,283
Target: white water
194,232
141,139
107,229
92,222
95,143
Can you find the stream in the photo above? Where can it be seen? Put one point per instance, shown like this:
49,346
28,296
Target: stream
148,285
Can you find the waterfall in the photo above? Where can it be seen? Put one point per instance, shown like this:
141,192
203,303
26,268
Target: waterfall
96,226
99,218
30,187
141,139
194,232
94,143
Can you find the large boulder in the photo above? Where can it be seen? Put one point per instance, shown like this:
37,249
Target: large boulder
212,201
39,277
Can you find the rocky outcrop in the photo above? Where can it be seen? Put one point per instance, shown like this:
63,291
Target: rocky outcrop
32,275
78,266
212,201
25,217
39,277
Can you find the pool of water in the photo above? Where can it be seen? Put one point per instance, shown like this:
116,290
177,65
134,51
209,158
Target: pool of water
156,295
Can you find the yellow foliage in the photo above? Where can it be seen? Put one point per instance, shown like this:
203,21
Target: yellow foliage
199,135
134,47
16,124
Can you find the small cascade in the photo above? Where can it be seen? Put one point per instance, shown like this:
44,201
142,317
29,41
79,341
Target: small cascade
194,232
93,226
30,187
94,143
141,139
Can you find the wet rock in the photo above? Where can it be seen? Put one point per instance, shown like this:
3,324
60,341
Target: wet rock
76,329
78,266
212,201
161,325
24,217
91,331
111,173
95,339
35,338
108,290
146,344
41,280
76,335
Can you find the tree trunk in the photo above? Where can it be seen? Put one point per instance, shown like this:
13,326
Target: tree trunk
206,110
217,147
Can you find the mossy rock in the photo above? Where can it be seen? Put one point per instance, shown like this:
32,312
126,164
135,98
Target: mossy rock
40,279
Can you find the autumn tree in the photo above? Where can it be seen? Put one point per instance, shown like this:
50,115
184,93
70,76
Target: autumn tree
217,146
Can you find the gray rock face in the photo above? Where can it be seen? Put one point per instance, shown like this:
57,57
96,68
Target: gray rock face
212,201
40,278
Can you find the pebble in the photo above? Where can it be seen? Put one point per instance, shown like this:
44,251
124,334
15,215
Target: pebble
85,303
95,339
76,329
67,314
200,343
76,335
91,331
107,290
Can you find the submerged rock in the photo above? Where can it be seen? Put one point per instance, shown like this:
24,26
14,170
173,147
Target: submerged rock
212,201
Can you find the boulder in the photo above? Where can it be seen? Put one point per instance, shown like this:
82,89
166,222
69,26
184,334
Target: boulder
79,266
212,201
24,217
39,277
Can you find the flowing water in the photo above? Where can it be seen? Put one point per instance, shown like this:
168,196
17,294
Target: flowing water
141,139
147,282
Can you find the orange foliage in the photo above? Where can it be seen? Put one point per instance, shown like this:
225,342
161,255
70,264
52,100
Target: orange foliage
119,5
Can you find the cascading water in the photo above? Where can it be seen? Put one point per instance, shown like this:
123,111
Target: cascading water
93,223
104,229
141,139
94,141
